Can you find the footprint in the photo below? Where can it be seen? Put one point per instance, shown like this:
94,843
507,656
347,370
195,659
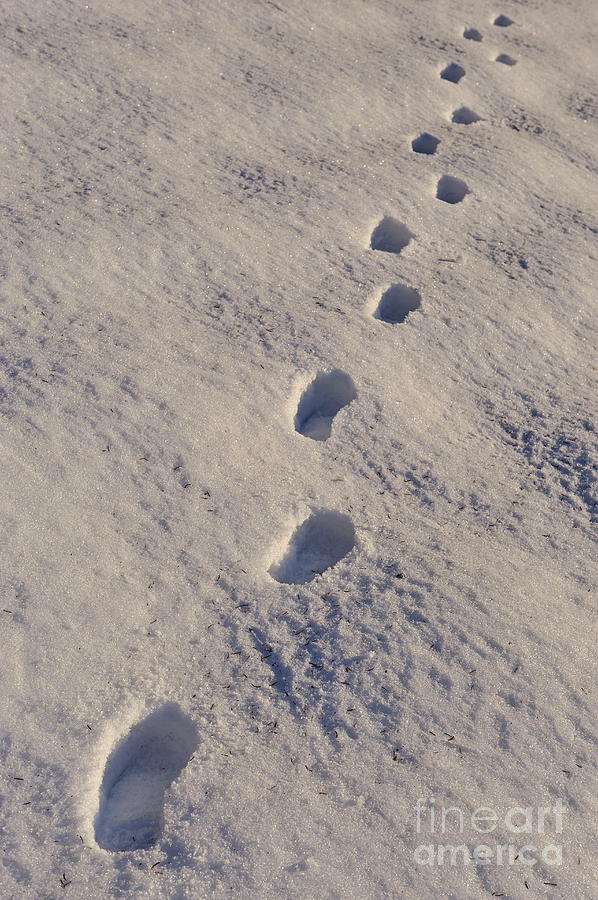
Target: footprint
390,236
453,72
396,303
315,546
425,143
328,393
451,190
138,771
472,34
503,21
465,116
506,59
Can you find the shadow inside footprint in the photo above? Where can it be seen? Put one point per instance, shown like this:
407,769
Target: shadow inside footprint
138,771
396,303
453,72
506,60
390,236
316,545
465,116
327,394
425,143
503,21
472,34
451,189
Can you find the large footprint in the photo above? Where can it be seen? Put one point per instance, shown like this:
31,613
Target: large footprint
425,143
465,116
506,60
327,394
390,236
395,304
138,771
453,72
317,544
451,190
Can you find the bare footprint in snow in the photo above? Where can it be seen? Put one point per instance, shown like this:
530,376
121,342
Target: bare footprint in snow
451,189
327,394
396,303
425,143
506,60
314,546
465,116
390,236
138,772
453,72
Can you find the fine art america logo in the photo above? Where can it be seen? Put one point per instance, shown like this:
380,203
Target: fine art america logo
542,822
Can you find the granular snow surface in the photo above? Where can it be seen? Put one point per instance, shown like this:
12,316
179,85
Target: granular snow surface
299,470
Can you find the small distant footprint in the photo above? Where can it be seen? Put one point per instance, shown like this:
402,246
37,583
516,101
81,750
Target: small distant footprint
327,394
503,21
451,189
390,236
465,116
396,303
138,771
453,72
472,34
425,143
315,546
506,59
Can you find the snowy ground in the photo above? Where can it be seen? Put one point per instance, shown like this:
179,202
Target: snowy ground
208,339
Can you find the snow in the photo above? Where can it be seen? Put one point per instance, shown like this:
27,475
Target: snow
138,771
205,206
320,402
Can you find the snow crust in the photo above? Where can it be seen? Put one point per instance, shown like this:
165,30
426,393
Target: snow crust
203,207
